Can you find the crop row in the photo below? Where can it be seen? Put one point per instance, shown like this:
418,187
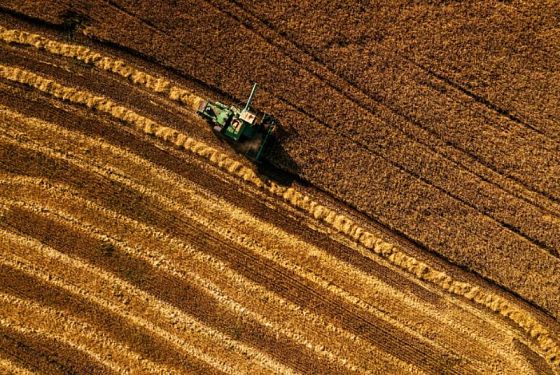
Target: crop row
182,207
86,55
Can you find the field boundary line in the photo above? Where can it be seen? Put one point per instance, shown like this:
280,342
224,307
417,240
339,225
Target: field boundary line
322,213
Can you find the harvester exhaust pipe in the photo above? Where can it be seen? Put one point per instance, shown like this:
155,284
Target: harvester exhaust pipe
250,97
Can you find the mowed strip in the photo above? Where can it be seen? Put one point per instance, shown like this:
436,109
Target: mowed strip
123,299
371,294
278,318
446,329
251,297
290,195
28,317
168,225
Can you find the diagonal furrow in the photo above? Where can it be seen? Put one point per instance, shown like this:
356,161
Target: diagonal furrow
239,215
140,308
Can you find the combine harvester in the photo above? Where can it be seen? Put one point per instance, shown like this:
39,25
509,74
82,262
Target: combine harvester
247,131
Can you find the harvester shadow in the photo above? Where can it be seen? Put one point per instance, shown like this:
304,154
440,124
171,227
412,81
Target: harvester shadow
277,164
72,22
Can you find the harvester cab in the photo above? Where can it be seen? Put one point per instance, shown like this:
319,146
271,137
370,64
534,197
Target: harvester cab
247,130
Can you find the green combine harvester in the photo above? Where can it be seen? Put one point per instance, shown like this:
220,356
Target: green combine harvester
247,131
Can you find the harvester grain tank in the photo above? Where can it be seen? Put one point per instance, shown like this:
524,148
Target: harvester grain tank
248,130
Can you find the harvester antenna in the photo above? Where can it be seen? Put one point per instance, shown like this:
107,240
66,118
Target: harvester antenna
248,105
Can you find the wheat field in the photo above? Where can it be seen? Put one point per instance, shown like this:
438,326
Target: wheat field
134,241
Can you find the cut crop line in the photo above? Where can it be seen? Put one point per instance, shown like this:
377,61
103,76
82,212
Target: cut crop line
322,213
29,317
87,281
159,261
117,66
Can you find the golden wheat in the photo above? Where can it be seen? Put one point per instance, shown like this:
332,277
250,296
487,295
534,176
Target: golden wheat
202,261
182,331
234,236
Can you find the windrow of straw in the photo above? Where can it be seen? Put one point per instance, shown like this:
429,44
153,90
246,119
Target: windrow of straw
110,64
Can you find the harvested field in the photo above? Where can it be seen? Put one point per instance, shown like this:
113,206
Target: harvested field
406,218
